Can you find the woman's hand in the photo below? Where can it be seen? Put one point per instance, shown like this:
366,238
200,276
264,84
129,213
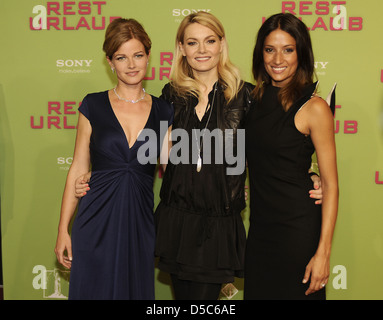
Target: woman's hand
81,185
80,164
64,245
317,192
318,271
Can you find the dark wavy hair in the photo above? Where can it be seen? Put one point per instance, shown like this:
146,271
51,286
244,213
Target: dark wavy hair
305,71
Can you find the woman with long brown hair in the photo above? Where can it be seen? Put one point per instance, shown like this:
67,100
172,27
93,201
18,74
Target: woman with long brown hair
289,240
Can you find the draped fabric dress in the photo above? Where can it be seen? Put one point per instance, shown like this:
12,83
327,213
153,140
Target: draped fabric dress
285,223
113,233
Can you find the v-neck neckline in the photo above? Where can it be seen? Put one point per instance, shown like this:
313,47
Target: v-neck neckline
121,128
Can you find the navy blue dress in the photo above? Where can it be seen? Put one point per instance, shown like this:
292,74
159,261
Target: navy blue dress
113,233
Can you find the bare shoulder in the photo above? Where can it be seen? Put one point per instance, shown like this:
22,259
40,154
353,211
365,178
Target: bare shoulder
317,107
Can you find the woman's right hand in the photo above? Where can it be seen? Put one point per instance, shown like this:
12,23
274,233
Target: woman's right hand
64,245
81,185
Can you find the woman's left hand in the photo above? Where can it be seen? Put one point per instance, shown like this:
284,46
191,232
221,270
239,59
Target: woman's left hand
318,271
316,193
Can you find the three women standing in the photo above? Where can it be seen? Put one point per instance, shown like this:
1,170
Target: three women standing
200,236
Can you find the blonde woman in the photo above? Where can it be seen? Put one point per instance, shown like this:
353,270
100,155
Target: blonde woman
200,237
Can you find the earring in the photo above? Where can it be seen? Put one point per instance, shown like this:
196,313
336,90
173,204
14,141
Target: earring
112,70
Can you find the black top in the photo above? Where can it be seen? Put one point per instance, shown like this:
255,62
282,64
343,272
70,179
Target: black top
197,237
192,190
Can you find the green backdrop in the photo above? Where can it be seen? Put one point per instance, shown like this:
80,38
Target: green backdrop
44,74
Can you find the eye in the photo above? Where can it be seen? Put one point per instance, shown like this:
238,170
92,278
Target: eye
269,50
211,41
139,55
289,50
120,58
191,43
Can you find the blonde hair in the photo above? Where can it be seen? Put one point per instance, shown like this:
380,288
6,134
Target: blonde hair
181,75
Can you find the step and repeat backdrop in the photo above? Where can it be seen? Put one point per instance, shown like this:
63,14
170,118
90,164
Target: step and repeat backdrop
51,57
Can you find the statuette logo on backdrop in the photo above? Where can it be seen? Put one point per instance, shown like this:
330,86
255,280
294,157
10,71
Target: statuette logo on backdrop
52,282
229,291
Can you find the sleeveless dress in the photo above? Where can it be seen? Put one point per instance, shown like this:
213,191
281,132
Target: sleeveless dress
113,234
285,223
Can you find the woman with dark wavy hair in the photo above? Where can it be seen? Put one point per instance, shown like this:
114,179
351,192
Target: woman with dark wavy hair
289,240
303,75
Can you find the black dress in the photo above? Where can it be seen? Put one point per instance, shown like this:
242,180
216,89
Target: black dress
195,239
113,233
285,223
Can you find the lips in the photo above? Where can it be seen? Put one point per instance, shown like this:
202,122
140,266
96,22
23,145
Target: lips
132,74
202,59
278,69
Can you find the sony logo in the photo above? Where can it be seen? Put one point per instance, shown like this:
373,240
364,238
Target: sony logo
320,64
63,160
186,12
73,63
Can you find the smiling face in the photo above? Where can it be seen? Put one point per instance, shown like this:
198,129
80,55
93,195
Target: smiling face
280,57
130,62
202,48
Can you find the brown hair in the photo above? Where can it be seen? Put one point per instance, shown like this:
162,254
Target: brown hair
305,71
121,30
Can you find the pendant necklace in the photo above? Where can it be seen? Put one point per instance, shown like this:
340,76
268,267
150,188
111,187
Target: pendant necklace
199,159
127,100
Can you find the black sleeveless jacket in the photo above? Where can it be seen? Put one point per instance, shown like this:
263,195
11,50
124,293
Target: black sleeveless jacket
229,116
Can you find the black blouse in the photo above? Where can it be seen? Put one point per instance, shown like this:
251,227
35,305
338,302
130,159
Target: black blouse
199,191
